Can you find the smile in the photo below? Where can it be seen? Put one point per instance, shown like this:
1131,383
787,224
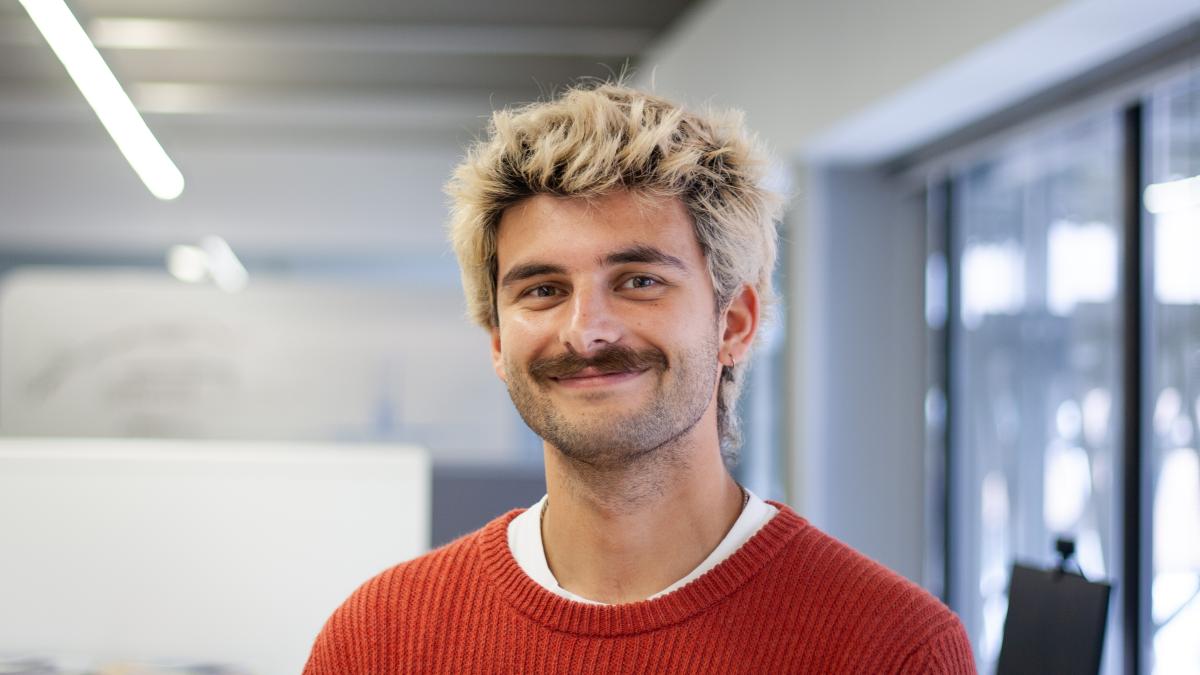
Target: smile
590,377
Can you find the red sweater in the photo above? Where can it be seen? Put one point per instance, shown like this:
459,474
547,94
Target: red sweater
791,600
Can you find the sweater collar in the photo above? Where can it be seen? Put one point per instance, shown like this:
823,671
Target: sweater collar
557,613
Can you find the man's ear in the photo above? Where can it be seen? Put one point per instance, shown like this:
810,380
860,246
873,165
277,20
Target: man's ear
497,358
741,325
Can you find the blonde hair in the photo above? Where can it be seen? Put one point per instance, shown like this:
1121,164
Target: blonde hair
595,140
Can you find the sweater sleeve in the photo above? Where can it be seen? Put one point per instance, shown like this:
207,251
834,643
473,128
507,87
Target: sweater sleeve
348,643
332,652
322,659
946,652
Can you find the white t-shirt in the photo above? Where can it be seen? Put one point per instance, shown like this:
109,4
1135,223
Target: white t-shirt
525,542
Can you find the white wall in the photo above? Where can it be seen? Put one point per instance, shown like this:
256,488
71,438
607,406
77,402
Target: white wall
865,376
798,67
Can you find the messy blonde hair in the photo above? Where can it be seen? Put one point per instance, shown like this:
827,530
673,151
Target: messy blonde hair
595,140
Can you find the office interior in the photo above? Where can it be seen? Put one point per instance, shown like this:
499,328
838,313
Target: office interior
231,392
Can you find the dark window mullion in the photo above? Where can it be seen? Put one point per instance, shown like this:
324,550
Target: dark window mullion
947,343
1135,588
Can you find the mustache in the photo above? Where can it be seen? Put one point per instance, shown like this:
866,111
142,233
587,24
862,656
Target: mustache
613,359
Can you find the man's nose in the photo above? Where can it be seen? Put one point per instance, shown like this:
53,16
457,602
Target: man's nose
592,324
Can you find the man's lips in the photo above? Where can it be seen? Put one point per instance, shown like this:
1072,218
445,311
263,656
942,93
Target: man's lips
595,377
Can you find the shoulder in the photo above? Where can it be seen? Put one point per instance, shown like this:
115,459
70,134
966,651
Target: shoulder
401,600
833,569
866,608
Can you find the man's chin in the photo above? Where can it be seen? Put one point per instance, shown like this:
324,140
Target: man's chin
608,440
602,453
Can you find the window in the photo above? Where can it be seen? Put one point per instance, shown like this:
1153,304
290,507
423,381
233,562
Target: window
1035,370
1058,382
1172,201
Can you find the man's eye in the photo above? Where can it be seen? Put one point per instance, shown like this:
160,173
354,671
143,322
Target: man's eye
541,292
640,282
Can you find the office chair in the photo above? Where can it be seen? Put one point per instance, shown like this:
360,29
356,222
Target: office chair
1055,621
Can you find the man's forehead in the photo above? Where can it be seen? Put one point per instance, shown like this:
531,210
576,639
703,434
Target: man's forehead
601,230
626,202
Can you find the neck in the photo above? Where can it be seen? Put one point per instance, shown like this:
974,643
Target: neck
618,535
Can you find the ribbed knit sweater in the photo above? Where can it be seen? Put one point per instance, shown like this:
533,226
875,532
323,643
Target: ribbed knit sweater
791,600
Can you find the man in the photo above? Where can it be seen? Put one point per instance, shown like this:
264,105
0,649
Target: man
619,251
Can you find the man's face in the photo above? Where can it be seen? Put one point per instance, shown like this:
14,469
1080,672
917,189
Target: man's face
608,335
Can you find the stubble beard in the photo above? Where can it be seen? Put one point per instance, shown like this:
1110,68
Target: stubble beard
606,441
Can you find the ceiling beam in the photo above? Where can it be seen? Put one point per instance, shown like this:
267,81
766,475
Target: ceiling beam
180,34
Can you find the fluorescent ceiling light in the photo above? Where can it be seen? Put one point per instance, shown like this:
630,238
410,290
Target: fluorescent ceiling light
102,91
187,263
226,270
212,260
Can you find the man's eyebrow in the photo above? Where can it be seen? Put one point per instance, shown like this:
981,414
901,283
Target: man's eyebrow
640,253
528,270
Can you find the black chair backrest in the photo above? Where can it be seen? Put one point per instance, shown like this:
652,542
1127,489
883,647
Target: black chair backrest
1055,623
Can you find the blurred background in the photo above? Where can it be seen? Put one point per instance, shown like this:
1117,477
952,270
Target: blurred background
236,378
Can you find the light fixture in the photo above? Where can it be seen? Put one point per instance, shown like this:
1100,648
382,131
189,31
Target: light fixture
187,263
227,271
212,260
102,91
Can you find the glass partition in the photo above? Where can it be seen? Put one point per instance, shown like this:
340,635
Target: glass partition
1035,367
1172,201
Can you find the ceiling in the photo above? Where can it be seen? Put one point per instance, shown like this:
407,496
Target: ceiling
307,130
420,65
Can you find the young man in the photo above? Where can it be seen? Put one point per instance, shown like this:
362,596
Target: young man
619,251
